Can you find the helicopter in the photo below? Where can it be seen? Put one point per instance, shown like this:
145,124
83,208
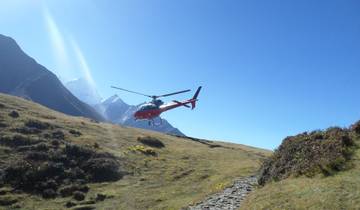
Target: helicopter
153,109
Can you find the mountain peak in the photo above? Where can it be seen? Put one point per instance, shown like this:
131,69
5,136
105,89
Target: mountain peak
112,100
83,89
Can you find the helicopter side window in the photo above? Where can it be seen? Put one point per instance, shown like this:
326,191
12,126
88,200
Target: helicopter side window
147,107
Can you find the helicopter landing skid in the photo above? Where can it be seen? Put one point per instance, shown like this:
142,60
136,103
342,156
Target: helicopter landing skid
152,122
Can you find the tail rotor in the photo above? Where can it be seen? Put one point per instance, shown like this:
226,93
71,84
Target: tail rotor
194,99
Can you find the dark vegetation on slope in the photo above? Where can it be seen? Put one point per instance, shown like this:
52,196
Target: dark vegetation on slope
150,141
319,152
36,158
21,75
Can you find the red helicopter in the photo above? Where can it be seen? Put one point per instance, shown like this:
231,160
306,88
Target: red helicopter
153,109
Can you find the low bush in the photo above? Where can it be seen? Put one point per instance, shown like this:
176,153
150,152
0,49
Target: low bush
75,133
49,193
325,152
70,189
14,114
150,141
27,130
102,169
100,197
79,196
18,140
37,124
58,135
8,200
51,170
356,127
3,125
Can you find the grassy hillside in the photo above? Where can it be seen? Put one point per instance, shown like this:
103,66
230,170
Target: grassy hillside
123,168
320,170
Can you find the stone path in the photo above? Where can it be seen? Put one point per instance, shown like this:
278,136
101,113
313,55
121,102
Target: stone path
230,198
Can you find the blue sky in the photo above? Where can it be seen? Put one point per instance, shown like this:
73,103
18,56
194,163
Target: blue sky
269,68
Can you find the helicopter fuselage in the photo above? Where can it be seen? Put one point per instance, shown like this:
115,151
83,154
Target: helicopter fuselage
150,110
147,114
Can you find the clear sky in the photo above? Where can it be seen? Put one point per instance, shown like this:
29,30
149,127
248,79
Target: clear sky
269,68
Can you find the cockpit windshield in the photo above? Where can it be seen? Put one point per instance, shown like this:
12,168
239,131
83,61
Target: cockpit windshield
148,106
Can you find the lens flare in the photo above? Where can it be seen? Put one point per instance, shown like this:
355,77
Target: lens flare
58,45
84,67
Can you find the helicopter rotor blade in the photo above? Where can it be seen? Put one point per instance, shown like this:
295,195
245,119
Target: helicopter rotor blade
130,91
170,94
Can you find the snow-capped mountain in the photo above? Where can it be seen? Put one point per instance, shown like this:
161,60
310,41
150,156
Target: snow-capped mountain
117,111
84,91
113,109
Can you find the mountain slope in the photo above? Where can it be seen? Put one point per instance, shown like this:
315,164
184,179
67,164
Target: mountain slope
161,171
117,111
20,75
317,170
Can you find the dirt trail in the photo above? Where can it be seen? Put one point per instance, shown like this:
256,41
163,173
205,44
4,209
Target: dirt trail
230,198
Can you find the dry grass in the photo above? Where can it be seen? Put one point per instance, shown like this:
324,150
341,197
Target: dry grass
182,172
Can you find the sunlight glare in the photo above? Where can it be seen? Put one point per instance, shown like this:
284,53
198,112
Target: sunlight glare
84,67
58,44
